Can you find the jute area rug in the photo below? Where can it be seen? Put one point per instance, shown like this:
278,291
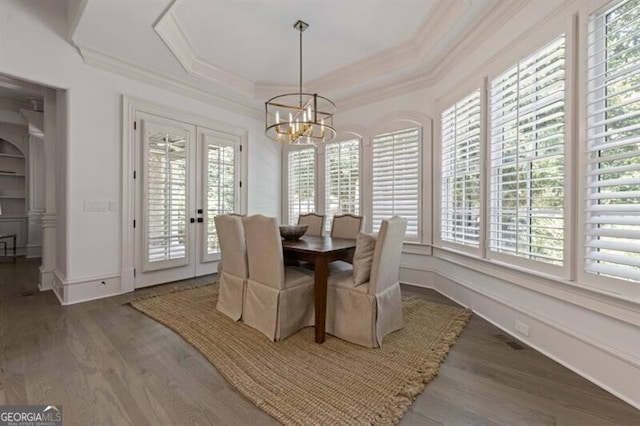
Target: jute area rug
299,382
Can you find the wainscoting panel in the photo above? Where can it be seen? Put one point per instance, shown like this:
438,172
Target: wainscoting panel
599,348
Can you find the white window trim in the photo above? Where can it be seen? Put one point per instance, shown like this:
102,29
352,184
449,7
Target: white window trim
348,133
285,178
131,105
564,271
573,22
398,121
443,104
620,288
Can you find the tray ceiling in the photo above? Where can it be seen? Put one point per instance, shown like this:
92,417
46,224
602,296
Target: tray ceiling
246,51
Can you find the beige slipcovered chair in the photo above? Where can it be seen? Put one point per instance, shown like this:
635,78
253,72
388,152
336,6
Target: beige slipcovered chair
233,269
278,301
346,226
365,313
315,222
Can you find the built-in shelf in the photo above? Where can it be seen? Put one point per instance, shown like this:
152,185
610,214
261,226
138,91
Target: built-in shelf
13,192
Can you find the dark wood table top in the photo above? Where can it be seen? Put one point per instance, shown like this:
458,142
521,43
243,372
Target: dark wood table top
316,244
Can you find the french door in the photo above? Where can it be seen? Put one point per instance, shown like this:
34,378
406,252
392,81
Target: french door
187,176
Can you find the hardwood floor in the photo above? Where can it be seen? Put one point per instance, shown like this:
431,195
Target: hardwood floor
109,364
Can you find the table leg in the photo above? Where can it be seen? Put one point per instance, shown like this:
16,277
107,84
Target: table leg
321,276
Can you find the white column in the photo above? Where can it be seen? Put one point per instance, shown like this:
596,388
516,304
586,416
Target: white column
49,217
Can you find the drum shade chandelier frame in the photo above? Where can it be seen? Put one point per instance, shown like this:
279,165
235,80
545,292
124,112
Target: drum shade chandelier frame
300,118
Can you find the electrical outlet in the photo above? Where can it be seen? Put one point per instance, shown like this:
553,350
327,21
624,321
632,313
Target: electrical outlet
522,328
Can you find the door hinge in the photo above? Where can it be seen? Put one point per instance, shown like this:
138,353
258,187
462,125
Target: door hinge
134,273
240,184
240,148
135,125
134,223
134,174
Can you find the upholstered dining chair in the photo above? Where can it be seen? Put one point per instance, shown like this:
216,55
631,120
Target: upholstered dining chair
278,301
315,222
233,269
346,226
364,305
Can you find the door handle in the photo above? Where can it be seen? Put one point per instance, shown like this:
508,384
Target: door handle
192,220
199,211
200,220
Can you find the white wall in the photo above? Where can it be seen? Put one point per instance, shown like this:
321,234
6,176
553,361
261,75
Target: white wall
594,334
33,47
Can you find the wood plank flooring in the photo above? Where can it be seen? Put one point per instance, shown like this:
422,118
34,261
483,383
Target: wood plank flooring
109,364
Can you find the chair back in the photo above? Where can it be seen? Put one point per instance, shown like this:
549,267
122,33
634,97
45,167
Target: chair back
264,250
315,222
233,249
385,267
346,226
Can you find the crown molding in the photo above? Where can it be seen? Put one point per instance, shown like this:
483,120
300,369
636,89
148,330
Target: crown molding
406,56
106,62
398,59
75,9
175,39
178,43
422,79
402,56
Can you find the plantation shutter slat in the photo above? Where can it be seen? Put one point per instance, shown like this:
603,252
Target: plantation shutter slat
526,132
220,163
612,222
165,189
302,182
342,179
396,179
460,171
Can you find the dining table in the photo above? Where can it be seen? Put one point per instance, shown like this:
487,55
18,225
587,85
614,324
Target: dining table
319,250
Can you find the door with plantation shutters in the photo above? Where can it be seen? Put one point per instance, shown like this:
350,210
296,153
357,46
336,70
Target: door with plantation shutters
186,176
218,190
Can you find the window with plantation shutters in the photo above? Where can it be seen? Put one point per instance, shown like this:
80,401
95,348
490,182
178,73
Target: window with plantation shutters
301,170
396,178
342,179
527,126
460,172
166,194
613,143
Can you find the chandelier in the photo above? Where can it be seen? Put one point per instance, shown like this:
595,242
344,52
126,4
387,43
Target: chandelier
300,118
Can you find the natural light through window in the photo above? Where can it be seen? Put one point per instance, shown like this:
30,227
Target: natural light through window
301,183
460,172
613,143
342,179
527,171
396,178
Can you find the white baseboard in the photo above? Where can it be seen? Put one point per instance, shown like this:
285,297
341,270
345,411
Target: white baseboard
47,280
84,289
580,352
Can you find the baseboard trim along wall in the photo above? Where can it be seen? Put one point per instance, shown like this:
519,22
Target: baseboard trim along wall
570,342
84,289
